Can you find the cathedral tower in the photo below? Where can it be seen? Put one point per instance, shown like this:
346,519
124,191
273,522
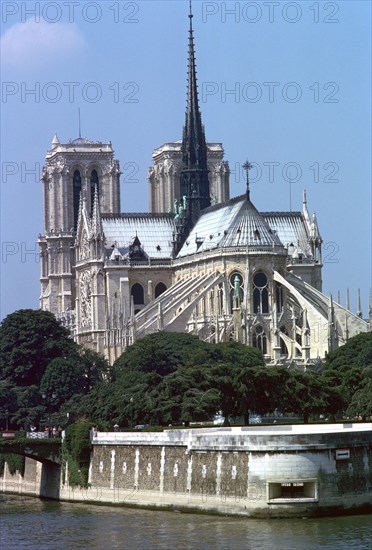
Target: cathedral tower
73,172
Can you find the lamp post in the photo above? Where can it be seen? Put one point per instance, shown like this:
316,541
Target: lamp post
6,419
131,412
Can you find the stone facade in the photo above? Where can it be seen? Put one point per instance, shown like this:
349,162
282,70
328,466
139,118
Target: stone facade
259,472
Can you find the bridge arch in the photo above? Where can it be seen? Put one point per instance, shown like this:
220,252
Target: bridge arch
48,480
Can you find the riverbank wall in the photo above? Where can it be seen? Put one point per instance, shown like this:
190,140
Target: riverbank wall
268,471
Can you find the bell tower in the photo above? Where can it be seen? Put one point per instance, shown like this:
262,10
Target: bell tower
73,172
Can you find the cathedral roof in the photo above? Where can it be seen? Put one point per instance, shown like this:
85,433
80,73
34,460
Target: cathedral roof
234,223
290,227
155,232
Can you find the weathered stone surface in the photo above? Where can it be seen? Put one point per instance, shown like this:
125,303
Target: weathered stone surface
258,472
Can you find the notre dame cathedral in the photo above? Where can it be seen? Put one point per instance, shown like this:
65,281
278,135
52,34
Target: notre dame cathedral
198,262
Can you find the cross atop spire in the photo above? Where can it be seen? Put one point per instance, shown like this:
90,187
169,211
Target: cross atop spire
247,166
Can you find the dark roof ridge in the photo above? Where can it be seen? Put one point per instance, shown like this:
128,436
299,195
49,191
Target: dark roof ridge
149,215
291,214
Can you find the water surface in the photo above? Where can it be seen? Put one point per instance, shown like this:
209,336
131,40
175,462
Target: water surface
32,524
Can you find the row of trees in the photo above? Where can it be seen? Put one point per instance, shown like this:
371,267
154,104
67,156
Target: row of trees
167,378
173,378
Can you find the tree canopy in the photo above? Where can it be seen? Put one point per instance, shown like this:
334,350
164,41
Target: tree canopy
168,378
41,367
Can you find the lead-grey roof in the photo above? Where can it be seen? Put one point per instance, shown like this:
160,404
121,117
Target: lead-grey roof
234,223
155,232
290,227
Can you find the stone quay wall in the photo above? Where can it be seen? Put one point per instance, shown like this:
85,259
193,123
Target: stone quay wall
272,471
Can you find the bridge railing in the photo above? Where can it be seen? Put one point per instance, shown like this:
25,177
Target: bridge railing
37,435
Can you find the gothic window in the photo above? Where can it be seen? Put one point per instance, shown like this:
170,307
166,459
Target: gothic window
260,293
93,183
279,297
138,294
211,301
220,298
159,289
236,290
259,339
76,184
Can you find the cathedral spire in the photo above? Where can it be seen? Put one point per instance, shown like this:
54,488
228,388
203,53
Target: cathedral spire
305,211
359,312
194,184
55,141
80,214
193,144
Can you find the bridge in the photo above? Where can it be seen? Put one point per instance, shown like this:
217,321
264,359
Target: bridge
45,451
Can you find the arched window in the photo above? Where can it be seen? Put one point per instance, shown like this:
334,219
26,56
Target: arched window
93,183
220,298
236,290
260,293
259,339
138,294
76,189
159,289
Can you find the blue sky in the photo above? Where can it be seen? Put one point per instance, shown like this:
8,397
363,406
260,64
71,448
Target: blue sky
285,84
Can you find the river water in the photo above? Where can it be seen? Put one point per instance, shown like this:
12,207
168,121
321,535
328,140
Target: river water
32,524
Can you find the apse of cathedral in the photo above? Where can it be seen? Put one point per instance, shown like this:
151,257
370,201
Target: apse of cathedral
198,262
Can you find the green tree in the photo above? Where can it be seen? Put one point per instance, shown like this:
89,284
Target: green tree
29,340
305,394
356,352
162,352
39,357
77,451
238,354
361,401
346,370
